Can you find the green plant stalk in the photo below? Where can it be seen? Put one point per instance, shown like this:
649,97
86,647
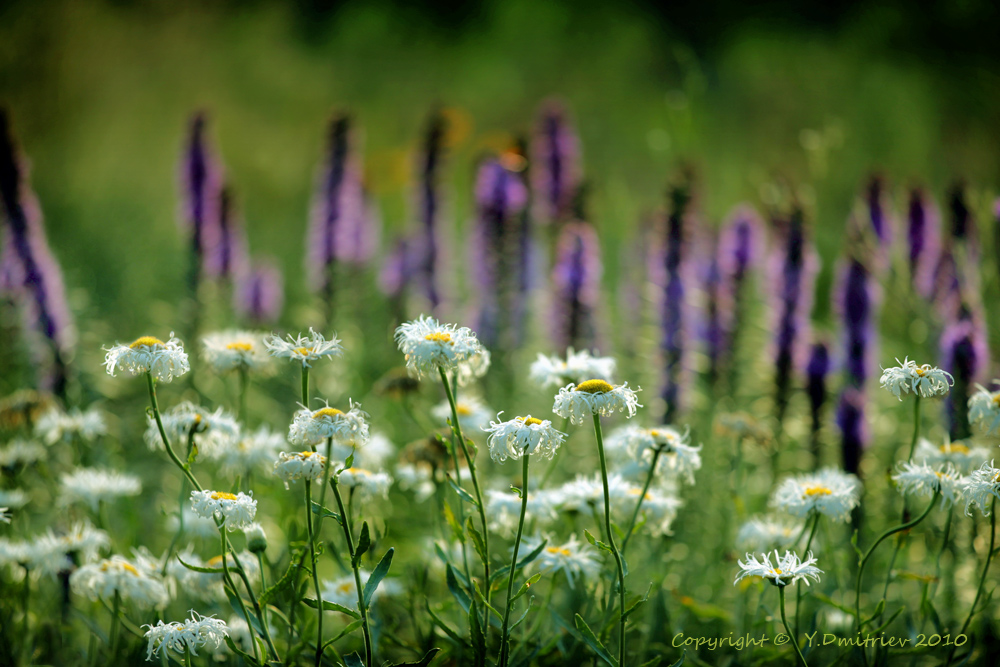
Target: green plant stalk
456,428
982,579
305,386
326,477
504,630
642,497
798,584
784,621
315,575
258,611
163,434
349,536
115,631
187,655
916,426
611,540
871,550
26,604
244,386
229,582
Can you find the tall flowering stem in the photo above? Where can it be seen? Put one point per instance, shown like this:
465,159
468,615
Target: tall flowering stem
456,429
315,576
576,279
788,629
430,208
642,496
186,469
355,566
672,306
611,539
982,579
505,629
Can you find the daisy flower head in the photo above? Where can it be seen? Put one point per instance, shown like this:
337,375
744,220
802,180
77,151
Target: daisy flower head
163,360
21,453
13,498
677,456
227,351
473,414
196,632
57,426
981,486
235,510
294,466
763,534
594,397
429,346
304,349
658,508
368,484
829,492
504,510
195,525
248,451
573,558
312,427
984,409
95,485
576,368
788,569
101,581
923,480
925,381
210,430
965,457
55,552
522,436
584,493
372,456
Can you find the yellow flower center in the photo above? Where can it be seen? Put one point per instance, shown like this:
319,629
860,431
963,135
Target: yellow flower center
303,350
223,495
996,399
306,455
921,372
954,448
439,337
128,567
559,550
145,341
216,561
777,571
239,346
346,587
529,420
463,410
327,412
594,387
636,492
817,491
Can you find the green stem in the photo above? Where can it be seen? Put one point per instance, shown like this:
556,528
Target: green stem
916,426
505,629
798,584
26,604
326,476
349,536
232,587
163,434
114,633
945,539
305,386
982,579
871,550
315,575
642,496
257,610
456,428
784,621
611,540
187,655
244,385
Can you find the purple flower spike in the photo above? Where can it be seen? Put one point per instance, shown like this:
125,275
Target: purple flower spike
555,160
857,300
878,211
229,257
28,266
853,428
500,197
427,249
202,185
923,234
963,224
259,295
576,279
816,371
966,357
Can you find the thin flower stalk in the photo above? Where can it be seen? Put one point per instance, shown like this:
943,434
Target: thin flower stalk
611,540
642,496
505,628
362,607
982,579
784,621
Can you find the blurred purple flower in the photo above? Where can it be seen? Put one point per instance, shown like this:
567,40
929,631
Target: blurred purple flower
857,300
426,250
229,257
853,428
966,356
923,233
878,211
816,371
555,164
259,295
576,279
201,178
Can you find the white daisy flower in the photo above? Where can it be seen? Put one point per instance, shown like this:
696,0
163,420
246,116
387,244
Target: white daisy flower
100,581
659,509
982,485
787,569
576,368
313,427
55,426
473,414
984,409
923,480
573,558
417,477
523,436
52,550
429,346
194,525
372,456
366,483
293,466
830,492
227,351
344,591
196,632
207,586
94,485
303,349
5,515
164,361
764,534
235,510
21,453
964,457
13,498
250,451
676,455
504,510
925,381
211,430
584,493
594,397
16,553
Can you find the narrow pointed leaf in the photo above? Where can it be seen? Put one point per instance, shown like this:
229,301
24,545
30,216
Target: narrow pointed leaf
378,574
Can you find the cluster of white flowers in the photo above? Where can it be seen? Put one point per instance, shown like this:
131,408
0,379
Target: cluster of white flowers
247,452
984,409
95,485
300,465
312,427
829,492
211,431
788,569
208,586
678,458
227,351
473,414
572,558
964,457
523,436
504,509
981,487
580,402
576,368
429,346
116,575
303,349
196,632
764,534
365,483
51,551
163,360
55,425
923,480
925,381
236,511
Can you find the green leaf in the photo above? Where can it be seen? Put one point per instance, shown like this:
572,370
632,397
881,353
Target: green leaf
343,633
423,662
655,661
196,568
462,493
482,598
478,638
878,612
378,574
680,660
456,590
281,584
477,540
237,650
331,606
323,512
517,490
364,543
889,621
637,602
836,605
520,564
456,527
854,543
532,580
592,641
349,463
596,542
353,660
444,626
531,601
